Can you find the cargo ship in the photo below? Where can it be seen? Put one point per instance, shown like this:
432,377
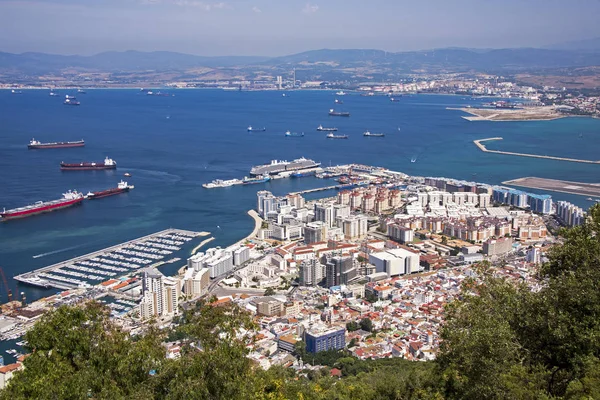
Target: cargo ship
294,134
334,113
276,166
320,128
303,174
122,187
71,101
36,144
251,129
369,134
332,136
260,179
108,163
71,198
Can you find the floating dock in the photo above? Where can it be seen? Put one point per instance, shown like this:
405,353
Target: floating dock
113,262
579,188
479,143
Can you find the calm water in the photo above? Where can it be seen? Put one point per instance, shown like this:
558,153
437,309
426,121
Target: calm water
171,145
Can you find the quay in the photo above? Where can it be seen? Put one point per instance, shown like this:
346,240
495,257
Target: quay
321,189
481,146
127,261
578,188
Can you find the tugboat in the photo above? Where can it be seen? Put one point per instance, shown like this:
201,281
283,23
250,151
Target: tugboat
36,144
122,187
334,113
369,134
294,134
320,128
332,136
251,129
108,163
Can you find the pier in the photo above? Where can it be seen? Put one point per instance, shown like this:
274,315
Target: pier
481,146
578,188
113,262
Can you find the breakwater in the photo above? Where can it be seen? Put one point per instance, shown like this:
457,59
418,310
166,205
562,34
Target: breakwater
481,146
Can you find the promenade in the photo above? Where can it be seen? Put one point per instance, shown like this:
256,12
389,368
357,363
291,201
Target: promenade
481,146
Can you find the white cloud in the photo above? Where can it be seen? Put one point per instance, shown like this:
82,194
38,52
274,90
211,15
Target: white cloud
256,10
310,8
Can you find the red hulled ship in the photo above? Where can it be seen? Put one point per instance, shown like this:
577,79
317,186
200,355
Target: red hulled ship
108,163
71,198
122,187
36,144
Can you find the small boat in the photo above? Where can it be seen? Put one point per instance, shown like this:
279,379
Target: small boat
393,99
16,91
340,93
283,95
71,102
251,129
413,160
320,128
294,134
369,94
332,136
337,101
589,199
127,174
369,134
81,91
52,93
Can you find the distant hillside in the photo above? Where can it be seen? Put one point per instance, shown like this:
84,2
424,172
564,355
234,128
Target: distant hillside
587,44
454,59
316,62
117,61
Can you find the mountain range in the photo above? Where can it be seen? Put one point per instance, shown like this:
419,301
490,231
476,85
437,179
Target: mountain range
566,55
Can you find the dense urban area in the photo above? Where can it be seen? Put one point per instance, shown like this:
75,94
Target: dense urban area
368,274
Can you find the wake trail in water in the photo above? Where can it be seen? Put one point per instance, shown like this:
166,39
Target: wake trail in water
61,250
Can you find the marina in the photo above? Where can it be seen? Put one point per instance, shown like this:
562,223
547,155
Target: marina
111,263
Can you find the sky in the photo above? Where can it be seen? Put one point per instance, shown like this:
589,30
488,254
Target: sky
282,27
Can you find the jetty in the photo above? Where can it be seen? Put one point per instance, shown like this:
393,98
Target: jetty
113,262
481,146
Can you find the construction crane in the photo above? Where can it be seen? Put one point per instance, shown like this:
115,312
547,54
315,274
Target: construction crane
8,292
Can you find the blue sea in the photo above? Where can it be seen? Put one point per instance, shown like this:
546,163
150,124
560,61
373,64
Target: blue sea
172,145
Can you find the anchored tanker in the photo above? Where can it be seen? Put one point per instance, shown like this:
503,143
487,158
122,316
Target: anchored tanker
36,144
276,166
70,198
108,163
122,187
334,113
